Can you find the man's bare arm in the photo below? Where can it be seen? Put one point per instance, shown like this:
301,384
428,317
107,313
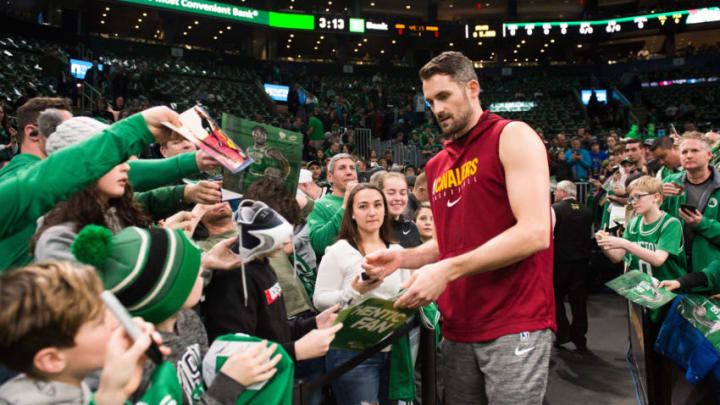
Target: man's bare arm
527,179
419,256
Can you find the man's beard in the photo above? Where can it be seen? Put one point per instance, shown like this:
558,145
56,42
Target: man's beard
460,122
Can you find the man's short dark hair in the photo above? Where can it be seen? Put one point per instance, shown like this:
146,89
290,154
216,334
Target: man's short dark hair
450,63
29,112
663,142
633,140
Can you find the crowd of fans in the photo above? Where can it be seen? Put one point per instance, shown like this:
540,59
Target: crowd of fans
652,204
62,202
279,264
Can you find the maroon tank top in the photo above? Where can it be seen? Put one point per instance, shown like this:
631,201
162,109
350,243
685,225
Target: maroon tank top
470,206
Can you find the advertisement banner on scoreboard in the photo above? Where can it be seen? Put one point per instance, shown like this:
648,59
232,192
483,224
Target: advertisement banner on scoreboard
234,12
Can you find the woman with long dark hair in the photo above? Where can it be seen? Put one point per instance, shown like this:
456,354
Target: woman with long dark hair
365,228
109,203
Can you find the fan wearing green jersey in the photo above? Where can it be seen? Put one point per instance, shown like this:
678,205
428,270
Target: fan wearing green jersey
652,243
653,240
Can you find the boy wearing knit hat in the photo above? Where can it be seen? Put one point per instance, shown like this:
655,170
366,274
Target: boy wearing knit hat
157,275
54,329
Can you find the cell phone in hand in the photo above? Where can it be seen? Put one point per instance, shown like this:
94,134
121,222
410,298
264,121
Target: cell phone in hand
688,208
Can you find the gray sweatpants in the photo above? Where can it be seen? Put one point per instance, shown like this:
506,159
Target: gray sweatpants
511,369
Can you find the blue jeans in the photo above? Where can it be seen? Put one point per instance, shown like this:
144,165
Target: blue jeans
367,382
309,370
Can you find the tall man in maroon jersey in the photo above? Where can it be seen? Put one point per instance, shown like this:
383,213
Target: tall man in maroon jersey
490,266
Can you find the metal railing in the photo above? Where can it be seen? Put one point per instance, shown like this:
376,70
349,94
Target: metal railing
402,153
584,189
88,96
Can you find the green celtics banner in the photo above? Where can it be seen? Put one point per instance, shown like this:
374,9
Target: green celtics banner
368,323
274,151
638,287
704,315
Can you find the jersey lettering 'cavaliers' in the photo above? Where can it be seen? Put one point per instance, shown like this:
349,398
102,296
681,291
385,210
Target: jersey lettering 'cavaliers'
470,206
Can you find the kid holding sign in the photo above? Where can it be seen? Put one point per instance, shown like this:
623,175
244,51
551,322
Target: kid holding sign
653,241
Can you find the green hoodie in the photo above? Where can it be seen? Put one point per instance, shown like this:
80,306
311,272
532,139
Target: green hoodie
145,175
34,189
706,244
324,222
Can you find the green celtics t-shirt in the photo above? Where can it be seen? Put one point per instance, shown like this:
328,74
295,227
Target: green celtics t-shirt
663,234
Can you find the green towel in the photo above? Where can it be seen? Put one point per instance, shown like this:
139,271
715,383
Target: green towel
277,390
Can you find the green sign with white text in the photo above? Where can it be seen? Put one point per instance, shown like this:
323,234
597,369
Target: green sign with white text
233,12
638,287
368,323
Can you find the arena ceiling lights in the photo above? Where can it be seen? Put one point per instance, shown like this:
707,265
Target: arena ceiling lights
625,24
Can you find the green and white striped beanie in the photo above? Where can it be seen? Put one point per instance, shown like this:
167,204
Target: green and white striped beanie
151,271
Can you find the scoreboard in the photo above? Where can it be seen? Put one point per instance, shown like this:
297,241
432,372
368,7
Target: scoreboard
605,27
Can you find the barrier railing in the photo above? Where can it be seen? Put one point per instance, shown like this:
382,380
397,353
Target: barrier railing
402,154
584,189
426,356
88,96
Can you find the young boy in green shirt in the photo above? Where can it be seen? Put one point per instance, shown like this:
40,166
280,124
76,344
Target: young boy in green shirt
653,244
653,241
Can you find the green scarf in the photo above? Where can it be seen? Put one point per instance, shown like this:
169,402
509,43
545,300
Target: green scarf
402,381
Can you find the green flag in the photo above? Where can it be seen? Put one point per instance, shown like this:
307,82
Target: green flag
638,287
274,151
704,315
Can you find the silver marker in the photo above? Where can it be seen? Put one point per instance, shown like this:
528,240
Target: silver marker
122,315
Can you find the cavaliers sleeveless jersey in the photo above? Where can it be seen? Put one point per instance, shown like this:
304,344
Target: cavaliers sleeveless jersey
470,206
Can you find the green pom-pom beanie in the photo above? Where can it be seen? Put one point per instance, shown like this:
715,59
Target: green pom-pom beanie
92,245
151,271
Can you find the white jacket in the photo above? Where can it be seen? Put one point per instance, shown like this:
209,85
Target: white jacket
339,267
